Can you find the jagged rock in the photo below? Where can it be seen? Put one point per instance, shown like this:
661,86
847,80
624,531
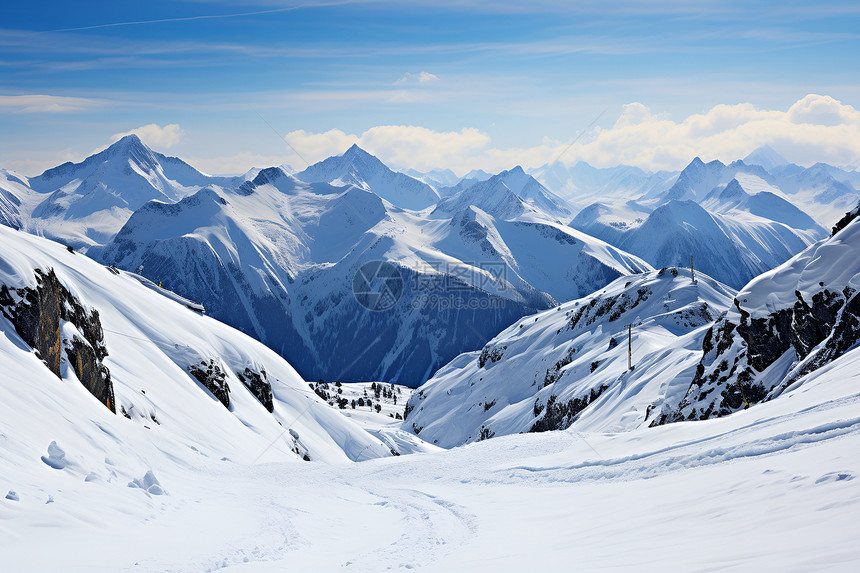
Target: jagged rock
730,374
843,222
560,415
213,378
38,315
554,373
491,353
259,385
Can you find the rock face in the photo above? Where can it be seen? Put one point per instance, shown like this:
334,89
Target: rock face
53,322
259,385
843,222
785,324
213,378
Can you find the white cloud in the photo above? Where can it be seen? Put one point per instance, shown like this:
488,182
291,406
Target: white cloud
398,145
40,103
154,135
422,78
816,128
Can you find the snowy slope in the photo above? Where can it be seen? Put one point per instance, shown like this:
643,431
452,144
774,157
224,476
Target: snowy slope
359,168
13,187
785,323
163,413
568,365
771,488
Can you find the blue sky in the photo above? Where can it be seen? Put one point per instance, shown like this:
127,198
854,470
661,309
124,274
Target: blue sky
429,83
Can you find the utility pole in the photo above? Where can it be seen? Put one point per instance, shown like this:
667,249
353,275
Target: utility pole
692,272
630,346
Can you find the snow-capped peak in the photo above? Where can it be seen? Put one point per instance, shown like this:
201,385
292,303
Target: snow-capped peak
358,167
767,157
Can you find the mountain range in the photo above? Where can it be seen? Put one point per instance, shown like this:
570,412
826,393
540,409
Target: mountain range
653,349
277,255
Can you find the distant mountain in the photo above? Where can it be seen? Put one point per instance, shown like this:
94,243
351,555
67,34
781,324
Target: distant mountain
768,203
12,188
823,191
436,178
731,247
506,195
699,178
85,204
736,223
581,184
767,157
359,168
278,258
478,175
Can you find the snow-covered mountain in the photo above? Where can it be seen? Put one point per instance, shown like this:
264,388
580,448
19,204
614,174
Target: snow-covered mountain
734,223
86,203
698,351
785,323
359,168
767,157
506,195
569,364
436,178
582,184
121,380
278,257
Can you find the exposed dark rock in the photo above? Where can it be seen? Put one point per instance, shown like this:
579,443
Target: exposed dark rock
486,434
491,353
213,379
560,415
730,374
554,373
38,314
259,385
843,222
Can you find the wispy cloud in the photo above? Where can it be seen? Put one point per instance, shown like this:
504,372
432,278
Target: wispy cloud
422,78
41,103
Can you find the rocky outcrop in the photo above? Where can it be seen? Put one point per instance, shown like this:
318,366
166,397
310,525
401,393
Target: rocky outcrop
53,322
558,415
755,359
843,222
212,377
259,385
